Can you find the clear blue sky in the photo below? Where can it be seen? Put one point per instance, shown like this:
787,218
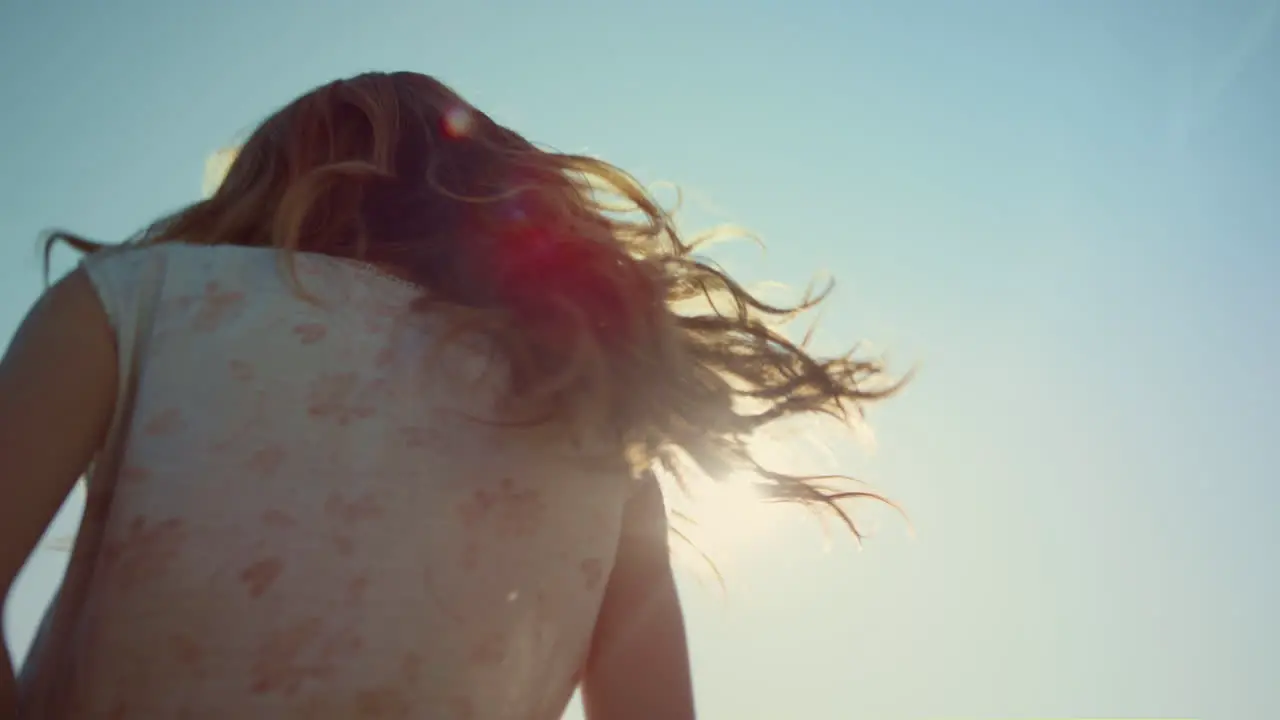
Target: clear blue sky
1067,212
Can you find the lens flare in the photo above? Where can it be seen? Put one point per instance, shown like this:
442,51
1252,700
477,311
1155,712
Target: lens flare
458,121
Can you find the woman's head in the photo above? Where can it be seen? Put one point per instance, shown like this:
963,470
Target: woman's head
578,276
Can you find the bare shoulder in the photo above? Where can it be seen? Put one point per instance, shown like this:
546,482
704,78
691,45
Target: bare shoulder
66,330
58,384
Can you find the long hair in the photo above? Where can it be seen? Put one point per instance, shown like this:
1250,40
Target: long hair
577,275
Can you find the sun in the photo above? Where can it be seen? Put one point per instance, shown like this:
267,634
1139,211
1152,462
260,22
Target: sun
730,522
730,517
726,516
215,169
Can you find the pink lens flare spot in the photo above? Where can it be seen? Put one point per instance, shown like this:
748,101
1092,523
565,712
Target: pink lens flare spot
458,121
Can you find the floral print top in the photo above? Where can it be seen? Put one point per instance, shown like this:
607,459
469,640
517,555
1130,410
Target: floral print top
301,512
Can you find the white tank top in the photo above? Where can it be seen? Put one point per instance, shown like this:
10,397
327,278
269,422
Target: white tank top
296,518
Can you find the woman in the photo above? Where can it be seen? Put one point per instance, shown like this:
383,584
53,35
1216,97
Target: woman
374,430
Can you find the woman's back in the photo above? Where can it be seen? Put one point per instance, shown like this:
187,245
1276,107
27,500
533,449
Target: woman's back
334,501
309,520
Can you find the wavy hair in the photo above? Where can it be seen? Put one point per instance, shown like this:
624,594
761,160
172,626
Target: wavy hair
603,313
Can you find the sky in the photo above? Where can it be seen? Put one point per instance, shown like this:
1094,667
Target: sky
1066,214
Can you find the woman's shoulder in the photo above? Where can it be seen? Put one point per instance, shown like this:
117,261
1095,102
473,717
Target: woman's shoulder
152,256
177,263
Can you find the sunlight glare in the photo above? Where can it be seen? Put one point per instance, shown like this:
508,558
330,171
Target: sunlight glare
215,169
728,516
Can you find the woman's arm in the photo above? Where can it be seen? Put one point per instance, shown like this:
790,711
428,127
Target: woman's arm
639,663
57,396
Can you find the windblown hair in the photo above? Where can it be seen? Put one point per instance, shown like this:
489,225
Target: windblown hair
575,273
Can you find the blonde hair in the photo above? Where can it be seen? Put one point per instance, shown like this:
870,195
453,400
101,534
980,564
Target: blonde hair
576,273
